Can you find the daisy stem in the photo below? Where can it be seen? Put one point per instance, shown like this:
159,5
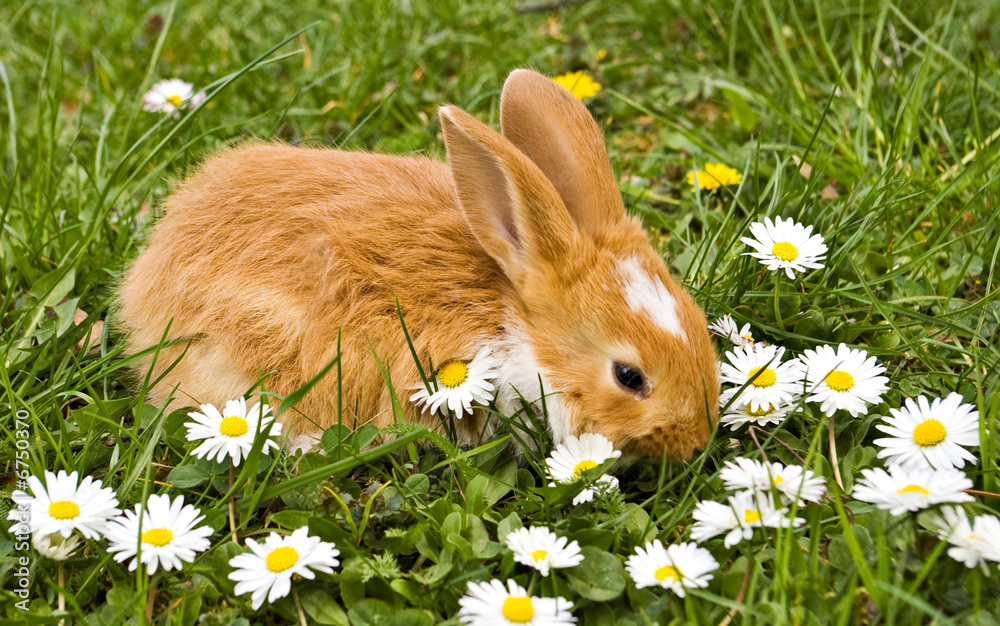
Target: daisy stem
833,457
984,494
298,607
232,507
777,296
61,581
150,601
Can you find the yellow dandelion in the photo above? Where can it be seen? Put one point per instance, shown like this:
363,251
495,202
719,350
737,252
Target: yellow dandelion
581,84
714,175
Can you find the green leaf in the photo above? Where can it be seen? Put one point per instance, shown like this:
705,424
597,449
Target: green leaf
187,476
333,436
365,435
508,525
417,484
291,519
600,577
190,609
412,617
322,608
500,483
370,612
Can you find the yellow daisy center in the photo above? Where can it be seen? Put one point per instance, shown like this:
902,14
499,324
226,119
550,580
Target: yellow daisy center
761,411
839,380
281,559
785,251
582,467
667,571
175,100
157,536
64,509
914,489
750,516
233,426
452,374
518,610
929,433
766,378
778,480
538,555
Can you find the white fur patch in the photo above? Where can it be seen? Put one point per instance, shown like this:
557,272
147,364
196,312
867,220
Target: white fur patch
519,377
648,295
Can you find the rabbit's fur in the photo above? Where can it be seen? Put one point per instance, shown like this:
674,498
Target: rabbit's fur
271,254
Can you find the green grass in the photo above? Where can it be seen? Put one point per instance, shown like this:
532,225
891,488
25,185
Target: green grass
875,123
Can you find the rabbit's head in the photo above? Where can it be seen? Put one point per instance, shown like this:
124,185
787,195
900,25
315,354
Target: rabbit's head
625,347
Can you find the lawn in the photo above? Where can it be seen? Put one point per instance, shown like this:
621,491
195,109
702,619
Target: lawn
875,123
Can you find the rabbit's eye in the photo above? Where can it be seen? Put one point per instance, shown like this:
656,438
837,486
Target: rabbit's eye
630,378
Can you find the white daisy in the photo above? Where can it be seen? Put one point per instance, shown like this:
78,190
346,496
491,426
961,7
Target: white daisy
266,571
459,385
542,549
169,95
740,413
726,327
232,432
163,533
972,544
843,379
923,434
786,245
62,505
911,489
793,482
492,604
55,546
576,455
744,512
677,567
774,383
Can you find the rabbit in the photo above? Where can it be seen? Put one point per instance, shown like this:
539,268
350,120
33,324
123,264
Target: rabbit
272,256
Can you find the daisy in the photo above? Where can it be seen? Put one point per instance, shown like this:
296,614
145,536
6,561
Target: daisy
64,504
168,95
714,176
164,533
459,385
580,84
786,245
739,518
793,483
726,327
266,571
542,549
763,380
924,434
232,432
493,604
677,567
55,546
972,544
843,379
740,413
911,489
576,455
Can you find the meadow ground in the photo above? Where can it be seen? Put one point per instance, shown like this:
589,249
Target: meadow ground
874,122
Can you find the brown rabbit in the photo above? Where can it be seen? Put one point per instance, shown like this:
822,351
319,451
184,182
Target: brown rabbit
521,246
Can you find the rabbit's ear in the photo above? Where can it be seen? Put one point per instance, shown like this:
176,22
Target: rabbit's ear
512,208
557,132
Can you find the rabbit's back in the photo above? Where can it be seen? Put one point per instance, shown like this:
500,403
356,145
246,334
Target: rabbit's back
269,253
